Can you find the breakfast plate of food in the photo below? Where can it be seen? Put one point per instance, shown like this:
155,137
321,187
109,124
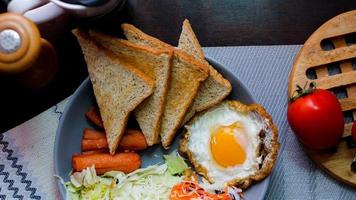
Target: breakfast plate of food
154,121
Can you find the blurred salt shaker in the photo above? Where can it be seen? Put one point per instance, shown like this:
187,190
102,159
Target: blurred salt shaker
24,56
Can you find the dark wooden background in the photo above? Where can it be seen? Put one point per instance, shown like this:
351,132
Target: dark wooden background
216,23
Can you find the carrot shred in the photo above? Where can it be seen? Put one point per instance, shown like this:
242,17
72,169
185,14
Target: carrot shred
125,161
94,116
132,140
187,190
91,134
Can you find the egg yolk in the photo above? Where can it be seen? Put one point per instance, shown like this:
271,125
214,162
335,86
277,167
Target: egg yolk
225,149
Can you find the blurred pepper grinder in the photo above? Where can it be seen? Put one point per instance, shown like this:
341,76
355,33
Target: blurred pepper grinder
25,57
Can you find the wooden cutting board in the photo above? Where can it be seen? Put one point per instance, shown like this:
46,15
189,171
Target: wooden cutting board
328,58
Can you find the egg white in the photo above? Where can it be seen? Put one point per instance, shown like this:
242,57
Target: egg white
201,133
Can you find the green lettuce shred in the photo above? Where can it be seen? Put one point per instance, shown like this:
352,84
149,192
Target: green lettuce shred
176,164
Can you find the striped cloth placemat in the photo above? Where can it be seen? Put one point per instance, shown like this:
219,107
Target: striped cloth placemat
26,156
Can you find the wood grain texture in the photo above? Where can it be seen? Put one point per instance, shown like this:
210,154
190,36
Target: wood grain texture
313,57
337,164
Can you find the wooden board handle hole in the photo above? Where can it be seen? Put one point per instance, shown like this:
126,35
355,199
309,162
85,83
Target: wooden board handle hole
331,69
328,44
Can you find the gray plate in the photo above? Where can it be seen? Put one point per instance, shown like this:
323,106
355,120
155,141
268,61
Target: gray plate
73,121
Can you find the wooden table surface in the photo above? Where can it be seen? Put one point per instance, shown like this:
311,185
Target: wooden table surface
216,23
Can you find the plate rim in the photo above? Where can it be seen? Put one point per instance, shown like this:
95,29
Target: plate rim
69,104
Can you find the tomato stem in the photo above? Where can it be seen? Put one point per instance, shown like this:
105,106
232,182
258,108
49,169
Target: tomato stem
302,91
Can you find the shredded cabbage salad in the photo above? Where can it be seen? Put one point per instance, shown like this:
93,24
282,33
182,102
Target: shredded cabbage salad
154,182
151,183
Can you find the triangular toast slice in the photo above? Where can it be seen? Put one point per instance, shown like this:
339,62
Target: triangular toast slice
186,77
112,81
215,88
154,63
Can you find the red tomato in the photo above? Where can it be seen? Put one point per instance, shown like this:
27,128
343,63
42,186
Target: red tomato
316,118
353,133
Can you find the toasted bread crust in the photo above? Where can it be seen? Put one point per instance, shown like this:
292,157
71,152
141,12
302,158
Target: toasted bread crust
199,70
190,59
137,32
200,54
188,28
164,46
83,34
114,125
221,80
155,63
269,152
131,68
167,137
148,49
120,42
215,88
133,105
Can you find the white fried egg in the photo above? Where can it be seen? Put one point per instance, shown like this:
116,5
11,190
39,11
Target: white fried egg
225,143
